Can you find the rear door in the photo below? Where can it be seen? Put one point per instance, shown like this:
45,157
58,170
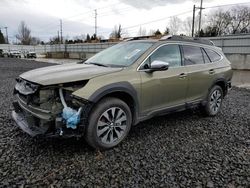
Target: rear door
199,72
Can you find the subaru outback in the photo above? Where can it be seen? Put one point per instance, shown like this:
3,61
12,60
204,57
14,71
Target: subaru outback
121,86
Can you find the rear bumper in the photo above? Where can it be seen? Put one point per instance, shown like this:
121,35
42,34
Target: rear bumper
229,85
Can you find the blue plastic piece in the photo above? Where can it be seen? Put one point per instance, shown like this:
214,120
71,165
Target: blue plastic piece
71,116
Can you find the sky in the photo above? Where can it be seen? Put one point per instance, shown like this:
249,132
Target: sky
78,16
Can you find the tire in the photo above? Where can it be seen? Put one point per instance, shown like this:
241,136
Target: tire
109,124
214,101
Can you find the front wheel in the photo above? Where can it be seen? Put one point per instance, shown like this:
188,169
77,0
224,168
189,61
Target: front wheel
109,123
214,101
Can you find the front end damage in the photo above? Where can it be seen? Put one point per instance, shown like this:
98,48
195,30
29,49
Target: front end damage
50,110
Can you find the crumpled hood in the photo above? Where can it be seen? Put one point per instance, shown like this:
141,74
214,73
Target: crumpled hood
66,73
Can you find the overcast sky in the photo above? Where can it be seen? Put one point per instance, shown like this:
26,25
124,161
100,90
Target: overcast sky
42,16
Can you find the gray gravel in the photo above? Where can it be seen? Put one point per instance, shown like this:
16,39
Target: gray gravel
179,150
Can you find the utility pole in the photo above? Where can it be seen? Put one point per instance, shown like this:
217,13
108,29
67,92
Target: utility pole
199,28
7,38
200,13
193,21
96,23
61,30
58,37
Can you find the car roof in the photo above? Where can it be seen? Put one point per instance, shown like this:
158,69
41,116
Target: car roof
180,40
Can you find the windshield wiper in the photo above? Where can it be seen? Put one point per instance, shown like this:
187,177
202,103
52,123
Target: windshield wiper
98,64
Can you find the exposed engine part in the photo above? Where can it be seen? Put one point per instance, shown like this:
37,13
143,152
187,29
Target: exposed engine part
71,116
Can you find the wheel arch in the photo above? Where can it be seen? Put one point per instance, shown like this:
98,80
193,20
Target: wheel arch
123,91
222,83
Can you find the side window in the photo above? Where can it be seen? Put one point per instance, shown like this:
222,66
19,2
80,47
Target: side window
168,53
192,55
213,56
206,58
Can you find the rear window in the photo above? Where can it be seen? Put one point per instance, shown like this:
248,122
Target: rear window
213,56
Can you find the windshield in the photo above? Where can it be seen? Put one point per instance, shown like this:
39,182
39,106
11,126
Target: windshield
120,55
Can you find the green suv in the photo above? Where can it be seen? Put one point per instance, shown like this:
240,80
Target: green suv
121,86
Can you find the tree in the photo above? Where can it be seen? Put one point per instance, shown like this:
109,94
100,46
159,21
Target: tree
187,25
142,31
2,40
87,38
232,21
151,32
174,25
35,40
220,21
166,32
117,32
157,32
201,34
240,19
24,35
54,40
211,31
93,37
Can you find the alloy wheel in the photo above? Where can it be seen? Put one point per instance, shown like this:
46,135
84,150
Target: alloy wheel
112,125
215,101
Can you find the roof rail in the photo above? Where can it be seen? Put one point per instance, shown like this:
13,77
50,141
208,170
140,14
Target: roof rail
187,39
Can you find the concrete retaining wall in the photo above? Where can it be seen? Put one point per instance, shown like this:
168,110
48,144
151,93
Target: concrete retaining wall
239,61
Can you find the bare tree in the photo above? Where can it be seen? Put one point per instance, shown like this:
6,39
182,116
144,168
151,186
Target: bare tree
142,31
240,19
151,32
166,32
24,33
187,26
117,32
174,25
232,21
220,20
35,40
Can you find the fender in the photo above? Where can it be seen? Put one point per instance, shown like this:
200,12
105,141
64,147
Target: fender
220,80
124,87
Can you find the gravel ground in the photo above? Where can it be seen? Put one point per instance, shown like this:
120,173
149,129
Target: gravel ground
179,150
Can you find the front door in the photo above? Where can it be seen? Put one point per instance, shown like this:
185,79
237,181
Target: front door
163,89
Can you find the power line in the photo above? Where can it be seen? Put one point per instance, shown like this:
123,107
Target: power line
157,20
152,21
217,6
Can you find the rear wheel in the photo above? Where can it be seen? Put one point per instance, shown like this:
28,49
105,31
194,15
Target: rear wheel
109,123
214,101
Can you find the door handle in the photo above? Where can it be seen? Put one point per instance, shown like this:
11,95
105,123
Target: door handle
182,75
211,71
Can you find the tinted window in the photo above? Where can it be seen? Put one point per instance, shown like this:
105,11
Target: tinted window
168,53
206,58
192,55
213,55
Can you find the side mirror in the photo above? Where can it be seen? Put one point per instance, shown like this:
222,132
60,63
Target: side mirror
158,66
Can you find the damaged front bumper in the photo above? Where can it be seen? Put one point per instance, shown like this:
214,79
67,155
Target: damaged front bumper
43,123
20,120
46,118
